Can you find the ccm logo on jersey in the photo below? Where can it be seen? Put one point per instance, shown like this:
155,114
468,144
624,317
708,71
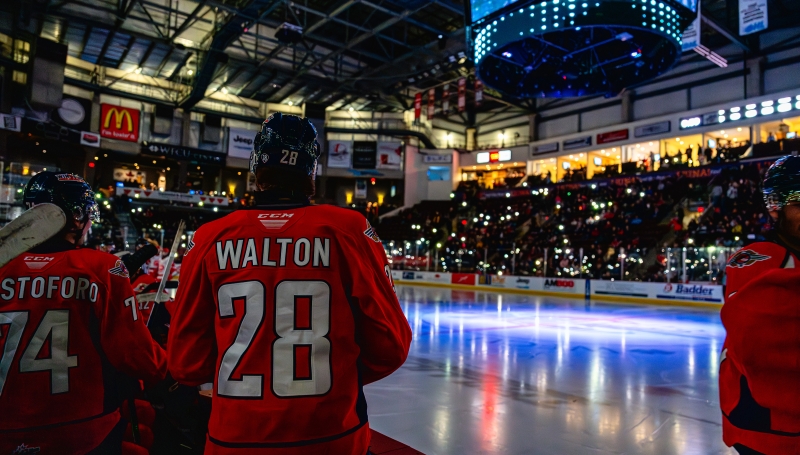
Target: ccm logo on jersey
274,220
24,449
37,262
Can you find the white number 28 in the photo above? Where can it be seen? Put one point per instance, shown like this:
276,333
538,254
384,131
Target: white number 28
289,157
301,364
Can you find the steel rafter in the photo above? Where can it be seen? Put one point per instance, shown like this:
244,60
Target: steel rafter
358,39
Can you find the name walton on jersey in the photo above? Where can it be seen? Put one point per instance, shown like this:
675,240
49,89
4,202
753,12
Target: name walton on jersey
257,252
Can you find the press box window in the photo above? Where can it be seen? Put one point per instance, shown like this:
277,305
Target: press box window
438,173
20,77
22,51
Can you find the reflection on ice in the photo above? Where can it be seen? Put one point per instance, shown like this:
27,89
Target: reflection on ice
509,373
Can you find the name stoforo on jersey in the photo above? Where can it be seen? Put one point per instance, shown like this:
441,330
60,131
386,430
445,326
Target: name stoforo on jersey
240,253
48,288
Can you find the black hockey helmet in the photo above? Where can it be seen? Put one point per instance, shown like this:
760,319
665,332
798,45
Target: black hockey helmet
782,183
286,141
68,191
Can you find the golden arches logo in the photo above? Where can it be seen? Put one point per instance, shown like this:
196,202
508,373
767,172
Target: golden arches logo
119,115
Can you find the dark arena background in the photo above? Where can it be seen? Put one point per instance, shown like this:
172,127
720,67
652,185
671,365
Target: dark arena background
558,185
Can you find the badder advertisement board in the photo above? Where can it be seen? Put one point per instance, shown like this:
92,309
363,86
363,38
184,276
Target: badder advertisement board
668,291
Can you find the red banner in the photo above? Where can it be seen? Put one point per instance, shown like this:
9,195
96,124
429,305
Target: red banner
446,100
120,123
612,136
478,92
417,106
431,101
462,94
467,279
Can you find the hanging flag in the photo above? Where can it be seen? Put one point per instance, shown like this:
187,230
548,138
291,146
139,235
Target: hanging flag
478,92
752,16
446,100
417,107
431,101
462,94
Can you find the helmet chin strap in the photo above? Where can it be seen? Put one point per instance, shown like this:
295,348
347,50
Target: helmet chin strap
788,238
79,230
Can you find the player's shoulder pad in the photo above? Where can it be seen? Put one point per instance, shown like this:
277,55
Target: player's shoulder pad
755,259
349,221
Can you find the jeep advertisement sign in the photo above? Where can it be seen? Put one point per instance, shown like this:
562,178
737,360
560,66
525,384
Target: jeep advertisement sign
240,142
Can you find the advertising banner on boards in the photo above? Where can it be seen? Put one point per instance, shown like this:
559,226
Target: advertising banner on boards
670,291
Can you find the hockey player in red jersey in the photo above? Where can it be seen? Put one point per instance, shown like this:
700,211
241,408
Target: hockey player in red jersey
68,326
760,361
289,308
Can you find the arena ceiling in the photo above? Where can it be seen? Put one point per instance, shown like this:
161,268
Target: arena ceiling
364,54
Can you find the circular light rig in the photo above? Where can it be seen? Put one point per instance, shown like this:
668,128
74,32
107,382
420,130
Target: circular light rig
565,48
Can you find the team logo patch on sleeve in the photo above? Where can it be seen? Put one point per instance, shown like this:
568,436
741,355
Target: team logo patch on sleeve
746,257
370,232
119,269
189,246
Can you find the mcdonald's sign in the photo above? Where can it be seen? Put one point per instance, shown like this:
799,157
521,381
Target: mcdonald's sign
121,123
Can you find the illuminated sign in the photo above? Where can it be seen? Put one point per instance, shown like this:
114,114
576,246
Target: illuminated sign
180,153
577,143
736,113
651,129
119,123
545,148
494,156
483,8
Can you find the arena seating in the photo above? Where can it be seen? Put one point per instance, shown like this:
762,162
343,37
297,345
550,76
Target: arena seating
622,219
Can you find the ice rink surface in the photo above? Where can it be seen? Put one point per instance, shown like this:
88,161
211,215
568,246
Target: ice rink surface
494,373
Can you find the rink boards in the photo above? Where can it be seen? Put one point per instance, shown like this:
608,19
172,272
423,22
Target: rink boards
635,291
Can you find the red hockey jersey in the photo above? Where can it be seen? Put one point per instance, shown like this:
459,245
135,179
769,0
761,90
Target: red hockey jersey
289,313
760,361
68,324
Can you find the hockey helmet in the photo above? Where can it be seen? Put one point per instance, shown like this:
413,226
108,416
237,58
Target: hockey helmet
68,191
286,141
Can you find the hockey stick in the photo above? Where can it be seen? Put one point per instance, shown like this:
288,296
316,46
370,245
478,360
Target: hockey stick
168,268
34,227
